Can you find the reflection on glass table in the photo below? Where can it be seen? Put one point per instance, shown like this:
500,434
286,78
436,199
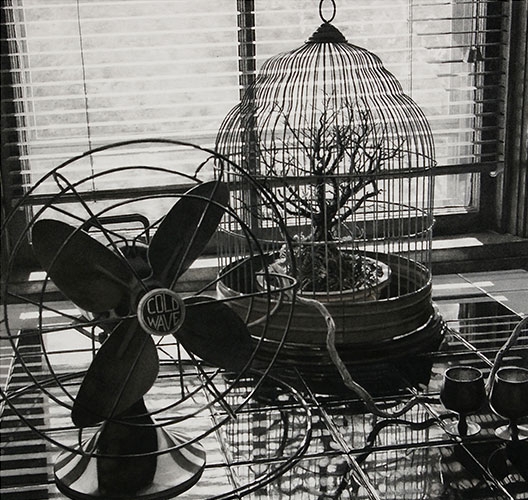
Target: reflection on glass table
350,453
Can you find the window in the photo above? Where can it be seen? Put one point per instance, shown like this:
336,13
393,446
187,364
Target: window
444,54
85,73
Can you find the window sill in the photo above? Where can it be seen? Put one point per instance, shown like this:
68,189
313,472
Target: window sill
483,251
486,251
472,252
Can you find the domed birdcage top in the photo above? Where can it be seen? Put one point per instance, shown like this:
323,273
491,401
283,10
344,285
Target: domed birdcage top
328,87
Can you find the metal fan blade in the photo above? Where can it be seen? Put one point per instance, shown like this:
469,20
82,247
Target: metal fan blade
215,333
121,373
186,230
88,273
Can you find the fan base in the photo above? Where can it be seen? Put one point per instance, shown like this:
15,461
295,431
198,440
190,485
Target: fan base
176,470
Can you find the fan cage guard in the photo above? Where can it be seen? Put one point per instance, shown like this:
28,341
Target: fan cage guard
226,394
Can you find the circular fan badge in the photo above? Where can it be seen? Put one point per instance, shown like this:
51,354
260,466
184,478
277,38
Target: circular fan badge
161,312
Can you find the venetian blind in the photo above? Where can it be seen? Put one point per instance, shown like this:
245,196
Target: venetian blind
86,73
447,54
89,72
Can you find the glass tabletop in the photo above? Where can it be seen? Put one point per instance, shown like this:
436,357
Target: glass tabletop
289,441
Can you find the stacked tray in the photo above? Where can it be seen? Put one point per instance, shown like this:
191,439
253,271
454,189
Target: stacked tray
372,337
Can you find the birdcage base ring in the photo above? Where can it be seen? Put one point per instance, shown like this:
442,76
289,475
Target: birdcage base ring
371,365
358,322
177,470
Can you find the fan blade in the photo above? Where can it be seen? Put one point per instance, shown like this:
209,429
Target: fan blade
186,230
88,273
215,333
121,373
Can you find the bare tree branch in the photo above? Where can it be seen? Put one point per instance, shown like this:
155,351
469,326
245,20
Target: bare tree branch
337,154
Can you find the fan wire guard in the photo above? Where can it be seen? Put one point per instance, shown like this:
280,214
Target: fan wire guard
58,340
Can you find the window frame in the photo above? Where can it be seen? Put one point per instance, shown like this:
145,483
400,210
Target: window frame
480,215
488,215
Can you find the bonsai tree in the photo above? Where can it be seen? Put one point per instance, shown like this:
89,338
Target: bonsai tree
323,172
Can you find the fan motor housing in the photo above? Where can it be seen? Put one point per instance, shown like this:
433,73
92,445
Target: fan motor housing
161,312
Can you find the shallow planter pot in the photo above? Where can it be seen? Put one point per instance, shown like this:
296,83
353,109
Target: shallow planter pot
362,293
401,306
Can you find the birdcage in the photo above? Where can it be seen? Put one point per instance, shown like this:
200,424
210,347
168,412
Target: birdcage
347,157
